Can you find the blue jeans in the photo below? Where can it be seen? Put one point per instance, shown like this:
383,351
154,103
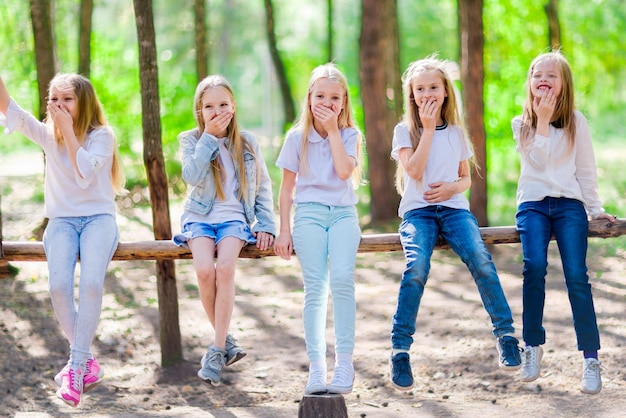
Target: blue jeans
95,239
326,238
566,219
419,231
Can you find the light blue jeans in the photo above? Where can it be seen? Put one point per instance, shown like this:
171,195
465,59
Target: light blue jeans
419,231
326,239
94,239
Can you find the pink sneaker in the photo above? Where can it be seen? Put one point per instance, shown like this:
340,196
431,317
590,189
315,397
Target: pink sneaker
71,387
93,375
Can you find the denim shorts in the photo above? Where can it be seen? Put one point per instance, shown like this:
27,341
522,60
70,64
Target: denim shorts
216,232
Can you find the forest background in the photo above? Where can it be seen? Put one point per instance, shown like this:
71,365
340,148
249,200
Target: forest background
591,36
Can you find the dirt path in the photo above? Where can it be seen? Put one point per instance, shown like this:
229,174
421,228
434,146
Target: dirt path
454,357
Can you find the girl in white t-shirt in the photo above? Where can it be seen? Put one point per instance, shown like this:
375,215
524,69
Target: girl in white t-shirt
433,156
82,177
320,162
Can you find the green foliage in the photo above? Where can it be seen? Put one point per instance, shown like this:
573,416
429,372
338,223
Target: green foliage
515,32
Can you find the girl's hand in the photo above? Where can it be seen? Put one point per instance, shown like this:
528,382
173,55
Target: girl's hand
608,217
264,240
217,124
61,118
327,116
429,113
440,192
283,247
544,106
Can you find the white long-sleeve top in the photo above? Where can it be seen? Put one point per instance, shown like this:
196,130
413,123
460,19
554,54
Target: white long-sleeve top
68,193
547,170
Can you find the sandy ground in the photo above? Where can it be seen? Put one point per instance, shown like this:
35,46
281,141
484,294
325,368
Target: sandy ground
454,356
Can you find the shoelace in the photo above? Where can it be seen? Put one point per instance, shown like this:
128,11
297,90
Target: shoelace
402,366
75,380
530,356
215,359
317,375
592,369
343,375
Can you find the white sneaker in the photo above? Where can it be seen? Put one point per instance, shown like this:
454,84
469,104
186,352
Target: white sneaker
316,382
531,363
343,379
591,381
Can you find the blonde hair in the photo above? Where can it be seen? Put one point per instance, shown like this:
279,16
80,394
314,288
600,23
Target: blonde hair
450,111
345,119
237,143
89,116
563,116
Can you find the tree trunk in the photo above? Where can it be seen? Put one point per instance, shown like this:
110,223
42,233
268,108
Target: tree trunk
554,29
4,265
382,102
171,347
41,16
202,55
84,38
329,30
472,79
328,405
285,90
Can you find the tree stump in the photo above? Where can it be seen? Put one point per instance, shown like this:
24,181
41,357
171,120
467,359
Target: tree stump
328,405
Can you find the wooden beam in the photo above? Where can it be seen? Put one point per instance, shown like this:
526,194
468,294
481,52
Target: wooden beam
370,243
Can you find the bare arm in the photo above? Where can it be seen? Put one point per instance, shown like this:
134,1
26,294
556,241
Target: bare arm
4,97
284,244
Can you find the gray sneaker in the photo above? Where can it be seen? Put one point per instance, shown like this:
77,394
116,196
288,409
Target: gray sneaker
591,381
531,363
212,363
234,352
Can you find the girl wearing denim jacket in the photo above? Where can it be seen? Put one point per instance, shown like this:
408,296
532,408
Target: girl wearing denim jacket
320,161
229,190
83,175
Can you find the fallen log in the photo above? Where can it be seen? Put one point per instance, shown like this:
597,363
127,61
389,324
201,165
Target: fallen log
370,243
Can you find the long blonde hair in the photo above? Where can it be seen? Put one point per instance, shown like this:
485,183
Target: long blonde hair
304,122
450,111
89,116
237,143
563,116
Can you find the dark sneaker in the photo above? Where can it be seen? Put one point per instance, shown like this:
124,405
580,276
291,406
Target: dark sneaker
234,352
509,357
401,375
212,364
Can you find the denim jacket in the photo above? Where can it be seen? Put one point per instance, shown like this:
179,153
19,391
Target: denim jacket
198,150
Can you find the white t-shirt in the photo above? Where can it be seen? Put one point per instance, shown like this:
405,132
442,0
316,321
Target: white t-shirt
449,147
320,182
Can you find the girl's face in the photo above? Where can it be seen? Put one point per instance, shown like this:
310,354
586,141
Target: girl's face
328,93
429,86
64,98
546,76
215,102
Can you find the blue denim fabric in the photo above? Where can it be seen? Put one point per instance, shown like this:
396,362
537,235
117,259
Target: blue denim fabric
95,239
326,238
566,219
419,231
216,232
199,150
